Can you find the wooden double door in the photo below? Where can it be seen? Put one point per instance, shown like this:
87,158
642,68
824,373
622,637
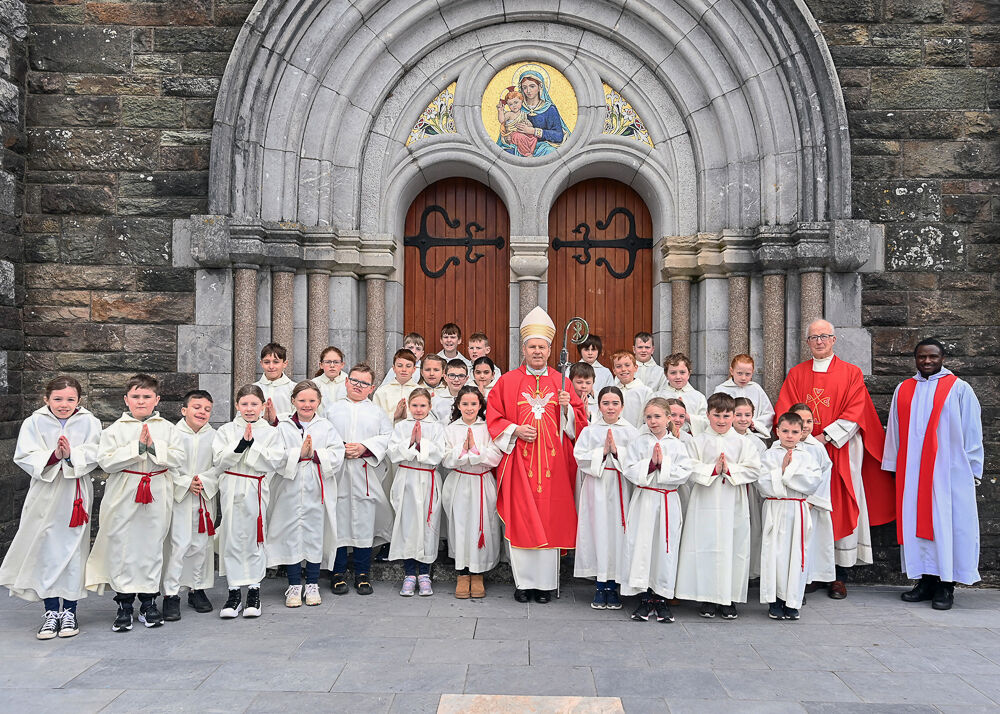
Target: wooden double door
457,263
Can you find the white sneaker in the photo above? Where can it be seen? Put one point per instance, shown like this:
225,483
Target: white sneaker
293,596
50,625
312,594
67,624
253,603
409,586
424,583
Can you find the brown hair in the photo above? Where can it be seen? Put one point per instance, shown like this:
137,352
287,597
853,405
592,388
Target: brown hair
250,390
143,381
363,368
274,349
404,354
63,382
419,392
743,402
659,403
323,355
457,364
450,328
304,385
675,359
196,394
800,407
435,358
789,418
582,369
721,402
643,336
479,337
592,342
414,337
675,402
456,413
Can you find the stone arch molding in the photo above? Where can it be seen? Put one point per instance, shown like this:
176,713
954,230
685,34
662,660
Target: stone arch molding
751,165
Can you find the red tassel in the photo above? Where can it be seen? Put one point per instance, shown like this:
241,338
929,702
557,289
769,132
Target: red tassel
143,494
204,517
260,529
209,524
482,540
79,516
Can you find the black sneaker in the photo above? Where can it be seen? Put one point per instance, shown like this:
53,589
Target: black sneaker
150,615
233,605
50,626
776,611
663,613
171,608
362,585
123,621
338,582
707,609
199,601
641,613
614,602
253,603
791,613
728,612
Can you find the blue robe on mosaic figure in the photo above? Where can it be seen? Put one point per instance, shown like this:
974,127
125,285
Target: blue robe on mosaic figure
546,117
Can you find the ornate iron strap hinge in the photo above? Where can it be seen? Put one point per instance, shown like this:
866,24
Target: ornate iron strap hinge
423,241
631,242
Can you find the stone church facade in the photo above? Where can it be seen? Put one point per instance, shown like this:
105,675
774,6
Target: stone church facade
182,182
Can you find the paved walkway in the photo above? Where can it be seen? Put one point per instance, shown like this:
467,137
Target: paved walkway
385,653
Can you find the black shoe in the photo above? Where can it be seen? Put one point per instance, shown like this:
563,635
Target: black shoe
253,603
614,602
728,612
362,585
383,553
199,601
543,597
338,583
944,596
663,613
776,611
791,613
234,603
924,590
707,609
150,615
641,613
123,621
171,608
522,596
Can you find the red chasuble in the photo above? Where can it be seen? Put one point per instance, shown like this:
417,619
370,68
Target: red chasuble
534,486
840,393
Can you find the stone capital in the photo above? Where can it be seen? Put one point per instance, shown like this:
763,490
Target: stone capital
529,257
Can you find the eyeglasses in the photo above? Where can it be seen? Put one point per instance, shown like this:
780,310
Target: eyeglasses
819,338
358,383
332,362
457,376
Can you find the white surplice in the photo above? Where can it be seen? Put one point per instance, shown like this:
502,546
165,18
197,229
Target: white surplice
655,518
332,391
279,392
302,511
820,563
603,501
787,524
469,497
242,560
416,490
694,403
714,562
388,395
651,374
441,407
47,558
189,550
636,395
128,551
953,555
364,516
763,410
756,510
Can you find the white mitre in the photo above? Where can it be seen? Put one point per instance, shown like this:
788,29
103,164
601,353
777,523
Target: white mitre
537,324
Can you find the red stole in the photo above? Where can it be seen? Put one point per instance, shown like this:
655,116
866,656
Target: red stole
534,484
928,454
840,393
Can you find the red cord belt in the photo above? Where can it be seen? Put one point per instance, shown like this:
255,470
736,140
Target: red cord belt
666,510
143,494
319,476
260,501
430,505
621,503
482,533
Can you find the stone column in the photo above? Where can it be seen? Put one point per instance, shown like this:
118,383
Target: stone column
282,304
528,261
375,323
318,331
774,333
739,315
680,314
244,325
810,304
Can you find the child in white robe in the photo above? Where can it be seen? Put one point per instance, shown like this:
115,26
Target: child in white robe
743,425
484,375
416,448
582,377
246,451
677,421
676,385
274,384
302,512
456,376
469,495
741,384
657,462
189,556
57,447
650,372
331,378
821,566
590,351
479,347
714,562
635,392
414,342
789,474
138,453
391,396
604,499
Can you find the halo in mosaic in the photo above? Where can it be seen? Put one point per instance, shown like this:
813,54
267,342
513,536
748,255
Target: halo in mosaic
622,119
529,109
437,118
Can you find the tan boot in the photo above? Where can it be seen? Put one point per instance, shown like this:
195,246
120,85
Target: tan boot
462,587
476,586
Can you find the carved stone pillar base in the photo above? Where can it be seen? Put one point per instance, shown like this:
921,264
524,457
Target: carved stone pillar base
739,315
680,315
244,325
774,333
318,331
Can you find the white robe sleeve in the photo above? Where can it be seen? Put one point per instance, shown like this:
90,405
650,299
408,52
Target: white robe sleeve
113,458
290,442
266,453
431,445
972,429
747,468
763,416
891,449
224,449
378,443
488,457
589,451
770,484
841,431
32,453
331,456
167,452
83,455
